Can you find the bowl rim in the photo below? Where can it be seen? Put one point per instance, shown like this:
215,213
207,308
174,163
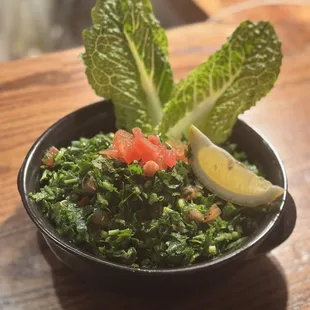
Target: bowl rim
73,249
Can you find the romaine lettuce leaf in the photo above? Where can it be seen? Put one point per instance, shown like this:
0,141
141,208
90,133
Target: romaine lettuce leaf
126,61
232,80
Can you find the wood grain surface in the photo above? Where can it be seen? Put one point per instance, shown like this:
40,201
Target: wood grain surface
34,93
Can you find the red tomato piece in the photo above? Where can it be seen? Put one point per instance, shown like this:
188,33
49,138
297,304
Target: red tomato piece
48,160
110,153
170,158
161,157
146,150
123,143
162,165
121,136
53,150
180,149
195,215
154,139
189,192
129,147
125,150
131,154
137,133
182,158
150,168
212,213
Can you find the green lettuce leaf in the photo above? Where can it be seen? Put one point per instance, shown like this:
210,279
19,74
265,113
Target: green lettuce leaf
126,61
232,80
99,14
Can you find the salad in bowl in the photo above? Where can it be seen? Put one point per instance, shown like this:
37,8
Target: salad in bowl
168,188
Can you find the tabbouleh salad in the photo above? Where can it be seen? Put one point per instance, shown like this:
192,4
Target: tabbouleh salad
111,209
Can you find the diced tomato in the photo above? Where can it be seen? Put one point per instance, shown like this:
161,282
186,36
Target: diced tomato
180,149
53,150
125,150
162,165
170,158
189,192
123,143
195,215
146,150
128,147
137,133
135,153
110,153
121,136
161,157
212,213
154,139
150,168
178,145
48,159
129,155
182,158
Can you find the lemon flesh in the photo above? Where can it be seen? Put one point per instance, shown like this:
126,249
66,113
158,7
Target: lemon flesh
226,177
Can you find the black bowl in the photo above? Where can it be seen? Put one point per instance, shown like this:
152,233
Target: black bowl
90,120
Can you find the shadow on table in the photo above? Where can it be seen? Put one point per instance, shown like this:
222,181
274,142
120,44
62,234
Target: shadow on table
260,285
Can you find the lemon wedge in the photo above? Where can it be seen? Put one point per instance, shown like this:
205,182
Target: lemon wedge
226,177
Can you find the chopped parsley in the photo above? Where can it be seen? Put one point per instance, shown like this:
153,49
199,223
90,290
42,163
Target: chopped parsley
112,210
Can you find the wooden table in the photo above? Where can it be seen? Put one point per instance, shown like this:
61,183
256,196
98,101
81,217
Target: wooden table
34,93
